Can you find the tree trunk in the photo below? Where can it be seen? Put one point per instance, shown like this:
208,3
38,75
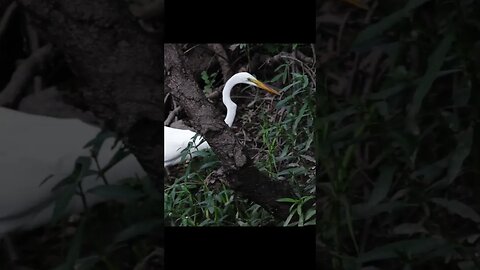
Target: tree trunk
118,66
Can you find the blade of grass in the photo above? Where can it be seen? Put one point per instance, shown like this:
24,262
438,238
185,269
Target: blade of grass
435,62
382,186
377,29
458,208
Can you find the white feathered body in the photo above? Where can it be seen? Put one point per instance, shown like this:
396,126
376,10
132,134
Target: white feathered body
32,148
176,140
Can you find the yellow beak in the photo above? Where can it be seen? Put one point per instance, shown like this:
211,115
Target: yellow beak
265,87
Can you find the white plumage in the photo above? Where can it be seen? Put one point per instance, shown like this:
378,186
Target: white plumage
34,147
182,138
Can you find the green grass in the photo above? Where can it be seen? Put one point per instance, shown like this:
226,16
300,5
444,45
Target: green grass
398,150
279,136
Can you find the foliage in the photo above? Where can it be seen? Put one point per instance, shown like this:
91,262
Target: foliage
111,235
398,139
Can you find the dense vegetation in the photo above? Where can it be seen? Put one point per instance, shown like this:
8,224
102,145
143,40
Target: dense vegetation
398,135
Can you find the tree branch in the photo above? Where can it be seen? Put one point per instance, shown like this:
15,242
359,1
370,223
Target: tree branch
23,74
118,66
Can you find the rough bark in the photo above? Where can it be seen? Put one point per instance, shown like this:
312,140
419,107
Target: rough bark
241,174
118,66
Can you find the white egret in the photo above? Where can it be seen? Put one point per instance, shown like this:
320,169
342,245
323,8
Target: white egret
176,140
34,147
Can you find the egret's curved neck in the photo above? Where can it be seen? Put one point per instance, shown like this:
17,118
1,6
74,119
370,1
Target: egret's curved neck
231,106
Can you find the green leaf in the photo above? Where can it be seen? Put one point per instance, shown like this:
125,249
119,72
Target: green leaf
293,171
289,200
81,169
431,171
117,192
409,229
76,245
310,213
301,114
435,62
46,179
382,186
461,152
117,157
283,102
96,143
287,221
458,208
205,77
74,250
62,202
413,247
464,146
349,221
65,189
388,92
210,164
386,23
